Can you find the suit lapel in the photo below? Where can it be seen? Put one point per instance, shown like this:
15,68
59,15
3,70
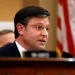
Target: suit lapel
14,50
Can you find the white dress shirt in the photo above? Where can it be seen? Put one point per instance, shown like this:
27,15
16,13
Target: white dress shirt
20,48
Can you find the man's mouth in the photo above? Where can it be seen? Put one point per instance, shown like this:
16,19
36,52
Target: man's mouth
42,41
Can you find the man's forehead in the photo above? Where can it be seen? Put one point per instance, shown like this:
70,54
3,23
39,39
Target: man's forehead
38,20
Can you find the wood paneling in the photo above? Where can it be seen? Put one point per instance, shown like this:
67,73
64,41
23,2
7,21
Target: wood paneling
8,8
37,66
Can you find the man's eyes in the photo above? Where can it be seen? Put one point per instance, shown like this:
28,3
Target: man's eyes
41,27
47,28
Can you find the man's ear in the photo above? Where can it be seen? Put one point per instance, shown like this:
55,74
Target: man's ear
20,28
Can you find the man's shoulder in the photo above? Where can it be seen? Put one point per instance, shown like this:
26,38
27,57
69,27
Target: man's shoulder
8,50
7,46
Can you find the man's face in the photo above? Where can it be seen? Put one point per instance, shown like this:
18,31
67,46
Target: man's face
35,35
6,39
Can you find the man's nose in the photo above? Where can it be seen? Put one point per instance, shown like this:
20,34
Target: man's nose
44,32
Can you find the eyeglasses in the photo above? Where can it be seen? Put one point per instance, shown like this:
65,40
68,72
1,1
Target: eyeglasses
40,27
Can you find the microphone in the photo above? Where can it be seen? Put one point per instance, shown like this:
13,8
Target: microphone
67,55
40,54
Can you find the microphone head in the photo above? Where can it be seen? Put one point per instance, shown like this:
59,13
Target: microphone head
67,55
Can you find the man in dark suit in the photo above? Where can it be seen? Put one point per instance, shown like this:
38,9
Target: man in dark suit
31,31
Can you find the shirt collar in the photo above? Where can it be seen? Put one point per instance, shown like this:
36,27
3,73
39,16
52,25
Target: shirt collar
20,48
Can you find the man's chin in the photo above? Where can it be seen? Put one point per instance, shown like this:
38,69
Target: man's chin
41,48
38,47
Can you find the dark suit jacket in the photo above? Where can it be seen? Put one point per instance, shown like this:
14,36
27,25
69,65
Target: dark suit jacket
9,50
